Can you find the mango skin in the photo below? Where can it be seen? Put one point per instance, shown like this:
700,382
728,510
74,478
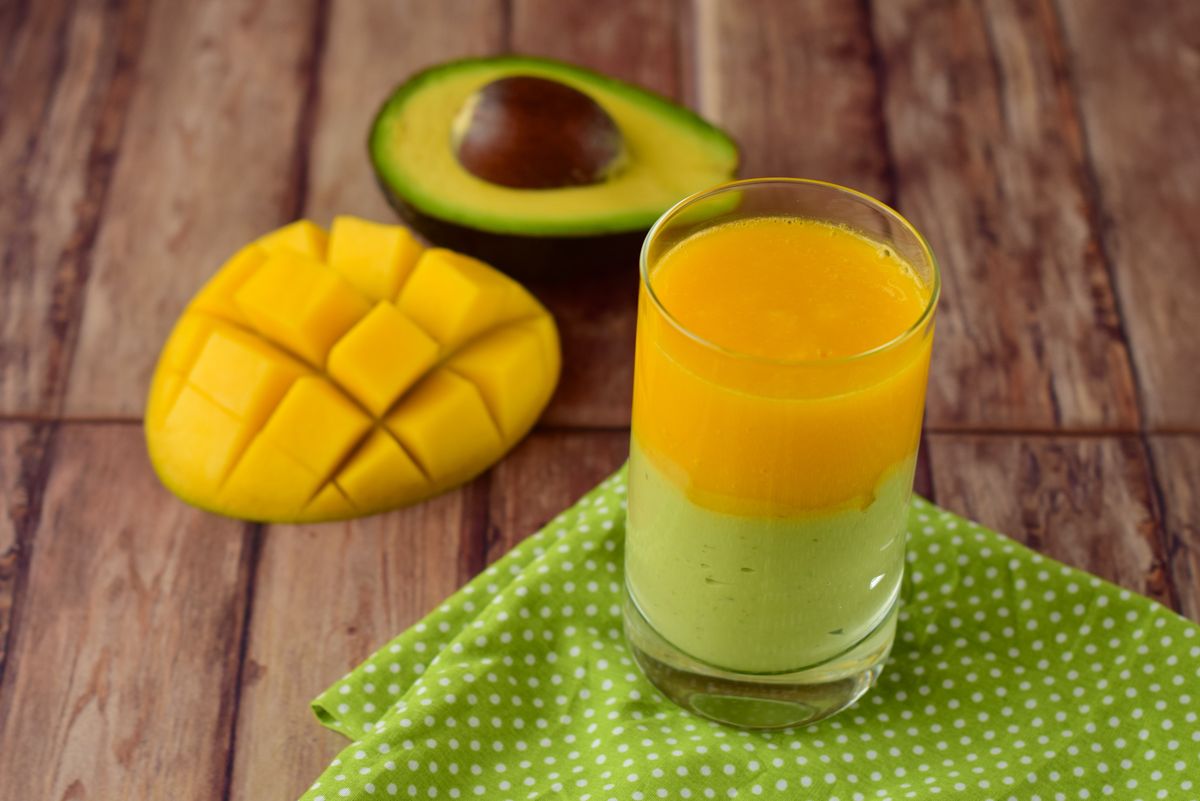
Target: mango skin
323,376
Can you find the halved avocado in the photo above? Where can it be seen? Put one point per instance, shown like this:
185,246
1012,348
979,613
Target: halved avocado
517,159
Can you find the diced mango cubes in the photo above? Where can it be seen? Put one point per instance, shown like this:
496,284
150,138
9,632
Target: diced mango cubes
216,298
375,258
507,368
303,237
320,377
455,297
445,425
212,438
381,357
317,425
244,374
301,304
378,470
267,476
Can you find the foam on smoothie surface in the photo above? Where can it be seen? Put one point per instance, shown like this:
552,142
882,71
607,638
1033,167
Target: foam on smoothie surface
789,288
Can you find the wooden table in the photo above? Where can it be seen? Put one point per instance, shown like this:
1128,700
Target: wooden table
1049,149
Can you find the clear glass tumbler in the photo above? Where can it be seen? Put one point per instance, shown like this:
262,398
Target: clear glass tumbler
768,496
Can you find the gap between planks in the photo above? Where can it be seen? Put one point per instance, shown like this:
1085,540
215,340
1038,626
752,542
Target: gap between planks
975,431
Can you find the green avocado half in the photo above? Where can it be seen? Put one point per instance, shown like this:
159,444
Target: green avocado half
646,153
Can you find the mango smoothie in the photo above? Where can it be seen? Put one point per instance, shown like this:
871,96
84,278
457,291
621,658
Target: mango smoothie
778,395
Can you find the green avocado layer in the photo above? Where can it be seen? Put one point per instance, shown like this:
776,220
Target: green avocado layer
762,594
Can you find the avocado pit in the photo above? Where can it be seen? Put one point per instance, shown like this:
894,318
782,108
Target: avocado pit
526,132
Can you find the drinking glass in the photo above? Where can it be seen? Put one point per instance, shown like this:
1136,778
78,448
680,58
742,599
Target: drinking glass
768,497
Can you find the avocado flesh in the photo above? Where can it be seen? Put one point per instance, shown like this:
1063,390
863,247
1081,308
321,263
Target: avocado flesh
670,153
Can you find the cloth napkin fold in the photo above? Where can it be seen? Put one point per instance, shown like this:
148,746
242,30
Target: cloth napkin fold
1013,677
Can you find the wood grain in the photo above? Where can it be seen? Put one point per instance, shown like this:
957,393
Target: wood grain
21,449
596,309
205,164
127,646
794,83
635,41
371,46
63,92
325,597
547,473
1177,466
1137,72
923,476
1086,501
10,501
989,164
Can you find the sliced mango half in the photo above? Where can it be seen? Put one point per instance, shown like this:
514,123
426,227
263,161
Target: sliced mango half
326,376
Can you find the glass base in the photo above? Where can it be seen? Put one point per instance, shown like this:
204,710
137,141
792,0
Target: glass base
757,701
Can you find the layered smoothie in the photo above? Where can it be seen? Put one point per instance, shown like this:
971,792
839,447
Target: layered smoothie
776,417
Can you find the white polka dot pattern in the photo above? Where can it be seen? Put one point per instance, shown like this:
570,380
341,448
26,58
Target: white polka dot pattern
1013,677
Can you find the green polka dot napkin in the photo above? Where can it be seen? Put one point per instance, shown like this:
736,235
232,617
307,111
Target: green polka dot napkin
1013,677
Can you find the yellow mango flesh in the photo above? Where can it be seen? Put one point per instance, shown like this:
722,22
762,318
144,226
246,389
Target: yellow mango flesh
319,377
374,257
381,357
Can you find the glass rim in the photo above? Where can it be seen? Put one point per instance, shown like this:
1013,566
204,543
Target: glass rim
878,205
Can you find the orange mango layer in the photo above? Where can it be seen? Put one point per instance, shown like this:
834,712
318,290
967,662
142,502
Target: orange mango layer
783,417
325,376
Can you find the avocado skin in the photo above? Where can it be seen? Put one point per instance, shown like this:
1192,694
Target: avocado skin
524,256
528,252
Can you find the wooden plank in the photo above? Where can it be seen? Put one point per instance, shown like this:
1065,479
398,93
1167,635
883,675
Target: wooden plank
325,597
547,473
989,164
350,587
126,650
596,313
10,17
794,82
63,90
371,46
1177,465
205,164
1087,501
596,307
1138,88
10,501
635,41
923,477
